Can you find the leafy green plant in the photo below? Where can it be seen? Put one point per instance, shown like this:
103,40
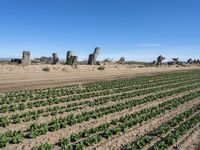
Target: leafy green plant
45,146
4,121
4,140
17,137
74,137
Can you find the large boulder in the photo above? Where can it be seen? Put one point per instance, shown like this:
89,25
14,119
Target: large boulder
92,60
71,60
160,60
26,58
55,58
121,60
68,58
175,61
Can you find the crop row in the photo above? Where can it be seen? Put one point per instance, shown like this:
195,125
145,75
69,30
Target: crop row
137,80
22,106
87,85
92,136
123,123
34,115
54,92
30,105
173,136
51,94
162,129
135,86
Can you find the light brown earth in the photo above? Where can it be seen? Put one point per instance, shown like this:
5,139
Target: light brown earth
17,77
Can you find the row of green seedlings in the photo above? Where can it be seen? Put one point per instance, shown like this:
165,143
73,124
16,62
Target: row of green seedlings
29,95
179,132
49,93
34,115
139,79
5,120
30,105
43,91
143,141
41,129
22,106
80,89
155,81
92,136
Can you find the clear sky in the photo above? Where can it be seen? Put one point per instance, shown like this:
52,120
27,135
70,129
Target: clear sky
136,29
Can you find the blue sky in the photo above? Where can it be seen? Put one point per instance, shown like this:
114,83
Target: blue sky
136,29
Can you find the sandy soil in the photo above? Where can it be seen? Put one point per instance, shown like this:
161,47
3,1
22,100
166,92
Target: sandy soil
31,77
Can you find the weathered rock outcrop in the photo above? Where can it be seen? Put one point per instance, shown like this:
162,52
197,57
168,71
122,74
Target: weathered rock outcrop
175,61
71,60
121,60
55,58
160,60
26,58
93,57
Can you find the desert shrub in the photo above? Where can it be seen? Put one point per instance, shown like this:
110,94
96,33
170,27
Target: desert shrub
101,68
140,66
46,69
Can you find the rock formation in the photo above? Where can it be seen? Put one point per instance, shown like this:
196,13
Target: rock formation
74,61
92,57
160,60
16,60
175,61
68,58
26,58
71,60
154,62
121,60
195,61
43,60
189,61
55,58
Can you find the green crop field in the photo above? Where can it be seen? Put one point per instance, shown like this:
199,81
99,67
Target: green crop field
154,112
